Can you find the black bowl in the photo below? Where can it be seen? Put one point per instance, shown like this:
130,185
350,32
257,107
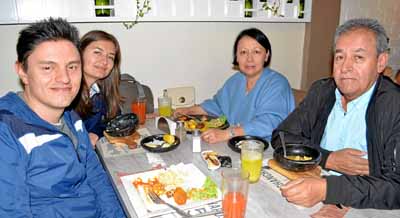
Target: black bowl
297,165
122,125
233,143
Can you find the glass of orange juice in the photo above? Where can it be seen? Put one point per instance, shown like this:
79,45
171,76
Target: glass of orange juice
251,156
139,108
234,187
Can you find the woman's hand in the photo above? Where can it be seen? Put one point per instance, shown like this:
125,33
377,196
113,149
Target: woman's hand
213,136
93,139
193,110
180,111
152,115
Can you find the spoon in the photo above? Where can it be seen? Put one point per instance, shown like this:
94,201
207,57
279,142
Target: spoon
283,144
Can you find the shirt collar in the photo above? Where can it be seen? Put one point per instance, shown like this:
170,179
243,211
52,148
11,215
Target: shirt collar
94,89
360,101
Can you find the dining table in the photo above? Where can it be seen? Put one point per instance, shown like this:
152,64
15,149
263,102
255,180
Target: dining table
264,200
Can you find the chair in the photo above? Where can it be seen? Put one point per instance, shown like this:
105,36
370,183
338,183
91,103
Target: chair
299,95
182,96
130,90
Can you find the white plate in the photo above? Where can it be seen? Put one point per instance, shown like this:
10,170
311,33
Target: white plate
144,207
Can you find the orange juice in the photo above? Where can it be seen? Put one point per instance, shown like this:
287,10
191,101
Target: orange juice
139,108
234,205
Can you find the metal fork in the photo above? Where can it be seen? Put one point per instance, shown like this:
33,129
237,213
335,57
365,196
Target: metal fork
156,199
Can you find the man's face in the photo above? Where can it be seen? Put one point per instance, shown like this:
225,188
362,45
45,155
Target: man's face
356,63
52,79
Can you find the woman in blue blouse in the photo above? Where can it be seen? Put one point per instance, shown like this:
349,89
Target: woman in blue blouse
99,99
255,99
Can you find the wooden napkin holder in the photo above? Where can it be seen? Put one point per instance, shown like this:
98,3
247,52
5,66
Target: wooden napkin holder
316,172
129,140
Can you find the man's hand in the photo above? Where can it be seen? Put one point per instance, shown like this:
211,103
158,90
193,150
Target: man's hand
213,136
330,211
348,161
305,191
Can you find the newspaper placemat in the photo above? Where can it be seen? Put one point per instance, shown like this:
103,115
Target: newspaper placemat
213,207
273,179
110,150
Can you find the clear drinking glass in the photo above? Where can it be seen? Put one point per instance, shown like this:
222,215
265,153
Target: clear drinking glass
235,185
165,106
139,108
251,157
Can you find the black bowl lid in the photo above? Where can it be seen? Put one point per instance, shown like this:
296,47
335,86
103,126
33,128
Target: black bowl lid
122,125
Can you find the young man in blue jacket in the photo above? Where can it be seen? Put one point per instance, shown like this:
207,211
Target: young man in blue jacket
47,165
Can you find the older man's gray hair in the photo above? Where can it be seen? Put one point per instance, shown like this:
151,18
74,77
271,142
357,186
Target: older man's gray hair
369,24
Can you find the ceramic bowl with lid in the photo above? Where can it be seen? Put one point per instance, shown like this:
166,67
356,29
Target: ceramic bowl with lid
122,125
298,158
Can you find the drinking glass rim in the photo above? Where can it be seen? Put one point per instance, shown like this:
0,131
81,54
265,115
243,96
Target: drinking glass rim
235,171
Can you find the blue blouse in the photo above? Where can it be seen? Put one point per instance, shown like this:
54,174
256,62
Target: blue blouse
259,111
95,122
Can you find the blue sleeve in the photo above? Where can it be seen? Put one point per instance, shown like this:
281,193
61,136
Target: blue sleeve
98,179
14,192
258,112
220,102
94,122
94,125
274,103
212,106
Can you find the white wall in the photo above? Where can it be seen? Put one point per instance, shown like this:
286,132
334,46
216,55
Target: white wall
387,12
171,54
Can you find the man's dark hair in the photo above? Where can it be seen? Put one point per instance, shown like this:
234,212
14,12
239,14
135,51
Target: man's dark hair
52,29
259,36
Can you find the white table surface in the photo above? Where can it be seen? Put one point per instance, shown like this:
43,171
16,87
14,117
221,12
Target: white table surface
263,201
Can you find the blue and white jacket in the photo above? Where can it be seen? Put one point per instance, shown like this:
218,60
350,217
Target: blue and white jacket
41,172
95,122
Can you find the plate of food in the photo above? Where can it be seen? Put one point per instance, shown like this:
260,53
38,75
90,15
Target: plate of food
203,122
211,158
235,143
160,143
182,185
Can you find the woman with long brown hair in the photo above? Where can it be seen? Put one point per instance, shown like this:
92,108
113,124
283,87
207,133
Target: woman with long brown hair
99,99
